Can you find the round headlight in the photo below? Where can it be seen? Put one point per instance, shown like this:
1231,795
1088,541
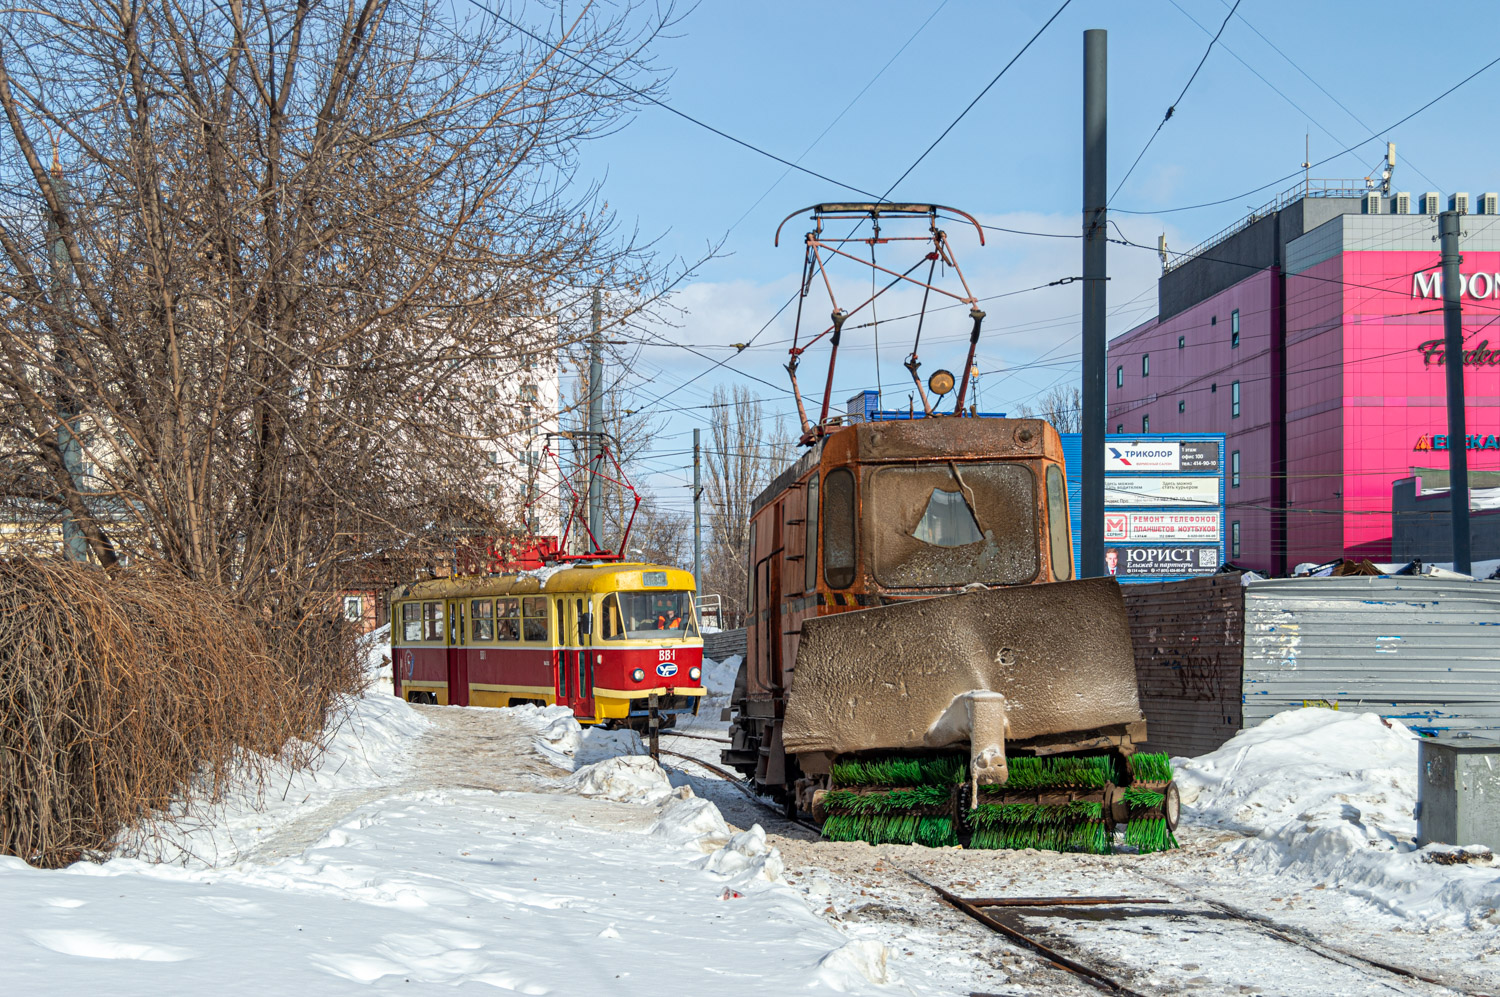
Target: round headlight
695,673
639,675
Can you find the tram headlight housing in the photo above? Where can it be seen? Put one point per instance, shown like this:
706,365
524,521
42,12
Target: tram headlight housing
695,673
639,675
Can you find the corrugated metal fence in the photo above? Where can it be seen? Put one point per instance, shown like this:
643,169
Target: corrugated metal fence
724,643
1188,638
1422,650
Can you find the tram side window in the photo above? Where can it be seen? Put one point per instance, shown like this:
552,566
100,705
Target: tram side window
838,528
614,627
1057,523
482,612
432,621
411,621
507,619
810,558
534,618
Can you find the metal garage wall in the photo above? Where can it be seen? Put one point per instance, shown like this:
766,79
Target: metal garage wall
1422,650
1188,639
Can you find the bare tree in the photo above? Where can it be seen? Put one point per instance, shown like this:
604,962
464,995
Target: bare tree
1062,406
264,260
745,451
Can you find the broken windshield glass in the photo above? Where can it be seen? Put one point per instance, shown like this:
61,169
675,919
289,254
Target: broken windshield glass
947,521
923,534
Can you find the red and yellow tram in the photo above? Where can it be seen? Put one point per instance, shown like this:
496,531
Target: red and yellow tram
596,638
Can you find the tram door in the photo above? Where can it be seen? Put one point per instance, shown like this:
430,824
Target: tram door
583,665
575,673
458,662
564,662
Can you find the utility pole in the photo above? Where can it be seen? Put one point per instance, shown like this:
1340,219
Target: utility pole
1453,361
596,425
75,545
1095,197
697,517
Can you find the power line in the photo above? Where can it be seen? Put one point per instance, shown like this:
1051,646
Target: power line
723,361
840,116
1172,108
1326,159
1003,70
1293,63
665,106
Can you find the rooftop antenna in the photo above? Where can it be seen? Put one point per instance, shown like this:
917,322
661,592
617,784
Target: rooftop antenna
1306,162
1390,167
1161,250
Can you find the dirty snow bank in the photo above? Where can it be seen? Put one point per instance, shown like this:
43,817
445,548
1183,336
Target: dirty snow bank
624,779
368,744
1331,796
718,676
559,738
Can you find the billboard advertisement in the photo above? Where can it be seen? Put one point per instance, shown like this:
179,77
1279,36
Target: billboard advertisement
1134,456
1164,516
1169,527
1139,490
1160,562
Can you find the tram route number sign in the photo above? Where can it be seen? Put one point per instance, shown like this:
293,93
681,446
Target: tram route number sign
1131,561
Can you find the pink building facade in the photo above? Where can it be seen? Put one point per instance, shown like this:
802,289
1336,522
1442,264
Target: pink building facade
1318,353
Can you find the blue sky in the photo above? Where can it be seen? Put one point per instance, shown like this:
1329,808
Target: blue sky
778,74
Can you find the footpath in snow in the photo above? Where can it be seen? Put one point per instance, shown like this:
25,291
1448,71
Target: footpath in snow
603,879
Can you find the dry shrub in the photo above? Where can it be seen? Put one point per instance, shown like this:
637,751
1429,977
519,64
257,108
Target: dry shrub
122,695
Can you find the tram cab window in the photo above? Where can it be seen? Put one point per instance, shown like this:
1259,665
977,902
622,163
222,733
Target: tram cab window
534,617
508,619
482,612
411,621
432,621
644,615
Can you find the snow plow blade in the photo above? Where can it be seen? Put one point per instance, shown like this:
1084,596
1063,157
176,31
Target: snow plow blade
923,674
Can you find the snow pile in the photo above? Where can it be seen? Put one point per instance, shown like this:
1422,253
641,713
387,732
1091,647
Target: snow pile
1331,796
861,959
597,744
745,857
375,648
559,738
692,822
555,734
718,676
625,779
1309,763
368,744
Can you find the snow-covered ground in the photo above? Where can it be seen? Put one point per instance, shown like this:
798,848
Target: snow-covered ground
424,870
1329,797
511,850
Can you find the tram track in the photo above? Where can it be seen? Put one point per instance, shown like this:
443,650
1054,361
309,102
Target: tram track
738,783
1073,961
1005,916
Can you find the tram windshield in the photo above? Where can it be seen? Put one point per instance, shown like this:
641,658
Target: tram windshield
643,615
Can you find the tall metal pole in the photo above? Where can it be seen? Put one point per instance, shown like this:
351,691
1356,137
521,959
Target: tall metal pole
697,517
596,423
1453,361
1095,196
